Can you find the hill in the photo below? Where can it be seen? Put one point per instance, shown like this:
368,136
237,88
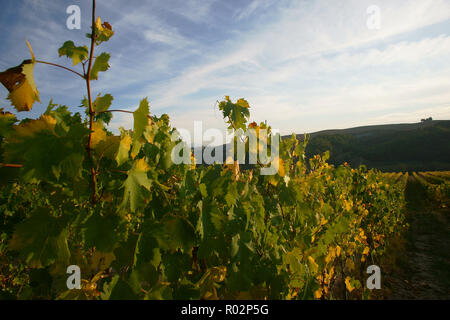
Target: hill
395,147
423,146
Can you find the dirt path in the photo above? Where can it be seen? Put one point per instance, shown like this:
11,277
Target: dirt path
421,267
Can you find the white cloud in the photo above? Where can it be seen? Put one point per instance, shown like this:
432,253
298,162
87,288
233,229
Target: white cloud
436,112
194,10
254,6
168,37
276,64
310,65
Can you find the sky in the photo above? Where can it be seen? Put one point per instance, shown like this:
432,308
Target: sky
303,66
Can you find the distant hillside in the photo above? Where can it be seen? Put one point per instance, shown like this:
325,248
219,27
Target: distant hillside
423,146
396,147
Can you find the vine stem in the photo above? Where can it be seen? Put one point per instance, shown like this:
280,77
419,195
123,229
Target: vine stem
124,111
10,165
91,109
60,66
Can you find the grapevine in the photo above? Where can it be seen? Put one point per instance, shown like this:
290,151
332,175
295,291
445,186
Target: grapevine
140,227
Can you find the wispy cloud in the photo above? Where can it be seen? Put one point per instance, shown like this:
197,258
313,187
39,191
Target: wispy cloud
317,51
252,8
303,65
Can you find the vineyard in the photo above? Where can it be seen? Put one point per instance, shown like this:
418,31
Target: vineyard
419,260
141,227
436,186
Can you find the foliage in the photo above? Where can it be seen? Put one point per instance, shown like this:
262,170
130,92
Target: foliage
141,227
436,186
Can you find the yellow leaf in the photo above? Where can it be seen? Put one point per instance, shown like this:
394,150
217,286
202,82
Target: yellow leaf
329,275
123,149
273,181
20,83
98,24
330,256
348,285
193,161
33,59
348,205
338,251
366,251
313,265
243,103
318,293
98,134
27,129
104,30
142,166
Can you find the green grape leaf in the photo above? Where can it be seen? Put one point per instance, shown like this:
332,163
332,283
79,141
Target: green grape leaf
145,275
74,294
105,117
126,253
175,264
77,54
232,194
203,190
41,239
7,120
48,149
182,233
136,148
148,247
136,181
141,119
100,64
160,292
103,233
237,113
102,104
108,148
20,83
118,289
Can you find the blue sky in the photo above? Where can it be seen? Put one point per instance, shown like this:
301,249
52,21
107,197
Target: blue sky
303,65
